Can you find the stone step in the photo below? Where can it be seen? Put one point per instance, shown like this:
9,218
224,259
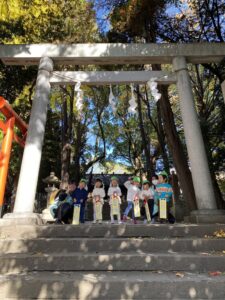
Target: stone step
111,286
197,262
114,245
108,230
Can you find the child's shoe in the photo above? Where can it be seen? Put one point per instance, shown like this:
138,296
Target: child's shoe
135,221
94,222
124,218
145,221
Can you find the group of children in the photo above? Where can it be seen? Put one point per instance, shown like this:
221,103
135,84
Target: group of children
141,201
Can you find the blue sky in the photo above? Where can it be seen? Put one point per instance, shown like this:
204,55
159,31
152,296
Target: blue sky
103,12
103,24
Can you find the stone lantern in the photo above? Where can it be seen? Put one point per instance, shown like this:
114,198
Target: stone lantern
52,182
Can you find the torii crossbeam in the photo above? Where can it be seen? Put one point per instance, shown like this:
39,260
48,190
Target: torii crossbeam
112,77
111,54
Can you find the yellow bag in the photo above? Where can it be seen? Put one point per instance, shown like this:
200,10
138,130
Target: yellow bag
137,211
162,209
52,197
76,214
98,210
147,211
115,208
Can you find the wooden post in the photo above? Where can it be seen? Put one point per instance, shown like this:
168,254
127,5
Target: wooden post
4,158
12,119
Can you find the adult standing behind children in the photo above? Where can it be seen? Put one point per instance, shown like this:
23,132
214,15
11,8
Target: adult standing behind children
80,196
133,192
154,182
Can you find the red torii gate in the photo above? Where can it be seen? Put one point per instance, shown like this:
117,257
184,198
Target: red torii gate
12,120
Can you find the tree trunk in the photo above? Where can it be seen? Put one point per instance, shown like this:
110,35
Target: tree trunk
77,169
159,131
145,137
177,151
162,142
66,153
77,151
66,147
175,185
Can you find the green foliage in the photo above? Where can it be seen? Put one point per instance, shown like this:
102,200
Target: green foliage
42,21
35,21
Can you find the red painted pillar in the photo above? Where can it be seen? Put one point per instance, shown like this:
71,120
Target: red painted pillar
5,158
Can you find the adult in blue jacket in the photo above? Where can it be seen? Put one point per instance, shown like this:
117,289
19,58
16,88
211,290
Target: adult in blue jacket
80,196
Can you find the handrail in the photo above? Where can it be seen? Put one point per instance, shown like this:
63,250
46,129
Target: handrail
8,112
7,126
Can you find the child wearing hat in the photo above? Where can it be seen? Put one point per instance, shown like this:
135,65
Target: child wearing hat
98,195
147,195
80,196
164,191
133,193
114,193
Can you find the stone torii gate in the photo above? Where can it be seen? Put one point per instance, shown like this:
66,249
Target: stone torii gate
178,55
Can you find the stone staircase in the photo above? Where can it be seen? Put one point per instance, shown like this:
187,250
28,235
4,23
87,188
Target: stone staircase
112,262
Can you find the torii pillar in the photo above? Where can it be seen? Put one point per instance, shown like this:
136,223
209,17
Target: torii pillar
25,196
207,209
223,90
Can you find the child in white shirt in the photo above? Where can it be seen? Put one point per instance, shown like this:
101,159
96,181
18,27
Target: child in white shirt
114,193
133,192
98,194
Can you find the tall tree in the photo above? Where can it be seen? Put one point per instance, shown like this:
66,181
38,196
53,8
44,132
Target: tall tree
145,135
138,21
203,21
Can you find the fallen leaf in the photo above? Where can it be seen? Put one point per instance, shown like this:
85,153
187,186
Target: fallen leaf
181,275
219,234
216,273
